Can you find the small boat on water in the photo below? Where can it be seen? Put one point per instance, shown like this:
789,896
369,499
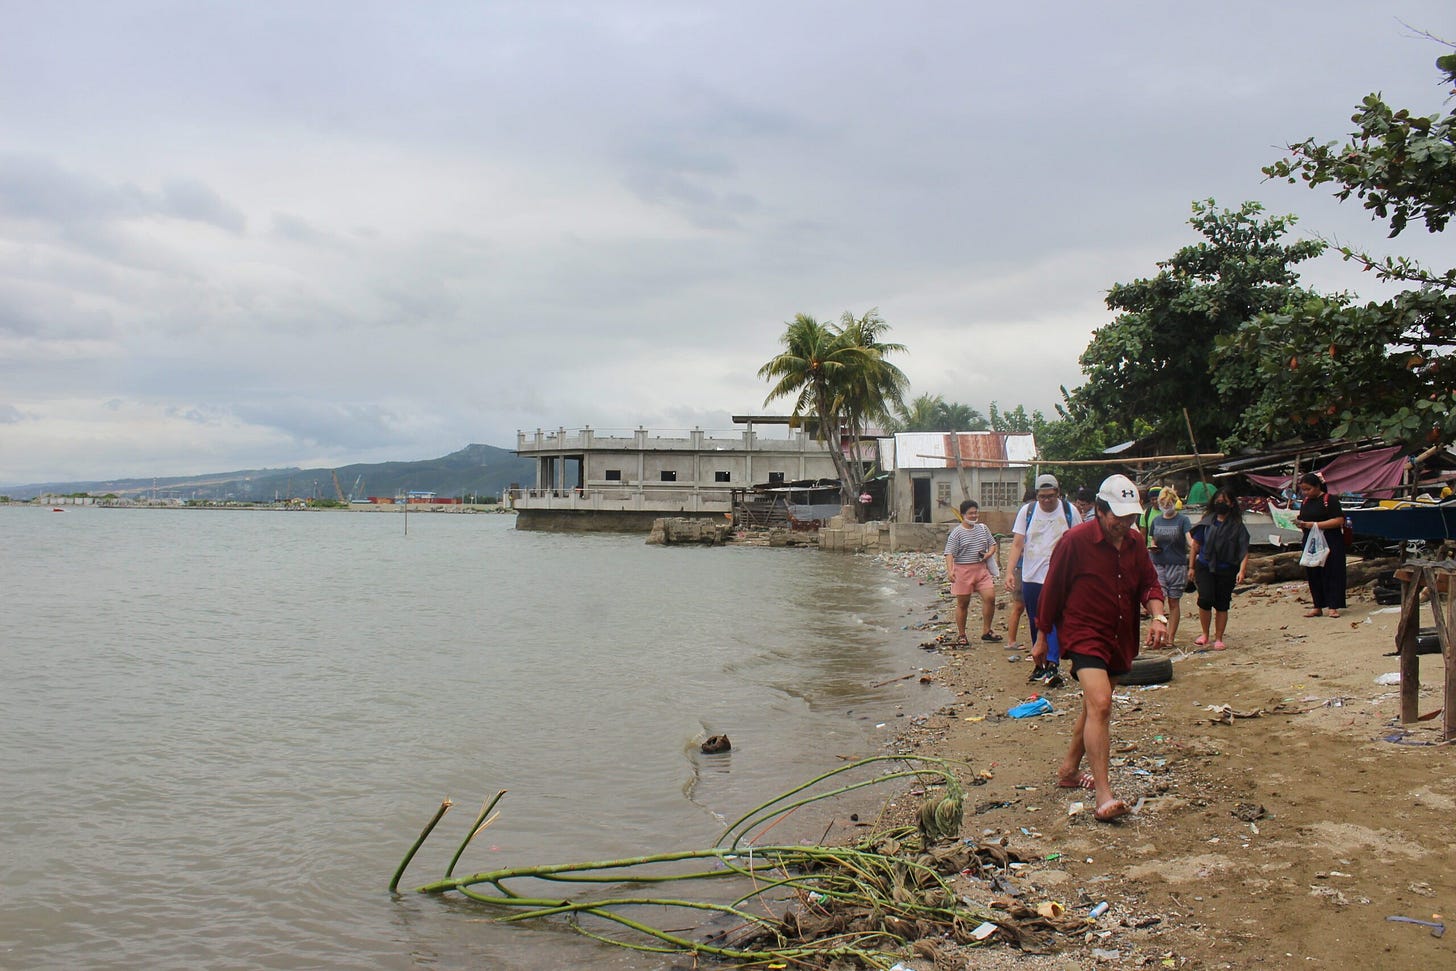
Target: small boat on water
57,509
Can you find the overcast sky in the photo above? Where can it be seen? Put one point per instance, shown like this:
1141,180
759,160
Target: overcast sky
253,234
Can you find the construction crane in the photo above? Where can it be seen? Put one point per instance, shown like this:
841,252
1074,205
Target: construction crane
338,489
358,491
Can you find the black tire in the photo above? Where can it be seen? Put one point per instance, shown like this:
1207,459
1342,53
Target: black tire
1428,642
1148,670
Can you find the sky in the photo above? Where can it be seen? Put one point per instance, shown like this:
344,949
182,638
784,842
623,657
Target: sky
265,234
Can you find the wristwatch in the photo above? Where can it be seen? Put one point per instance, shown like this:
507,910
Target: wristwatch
1160,618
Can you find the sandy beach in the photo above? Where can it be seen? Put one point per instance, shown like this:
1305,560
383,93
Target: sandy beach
1284,839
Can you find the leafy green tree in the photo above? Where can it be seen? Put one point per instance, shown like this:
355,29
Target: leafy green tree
1155,358
1015,420
839,380
1385,367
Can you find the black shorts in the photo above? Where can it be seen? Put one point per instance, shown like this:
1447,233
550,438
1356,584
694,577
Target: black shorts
1215,590
1080,661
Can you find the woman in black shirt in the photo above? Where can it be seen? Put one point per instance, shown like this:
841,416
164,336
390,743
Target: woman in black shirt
1326,583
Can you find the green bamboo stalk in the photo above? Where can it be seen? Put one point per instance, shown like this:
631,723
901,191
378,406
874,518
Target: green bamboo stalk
549,871
744,823
444,808
475,828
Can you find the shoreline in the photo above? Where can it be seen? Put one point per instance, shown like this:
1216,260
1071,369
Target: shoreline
1284,829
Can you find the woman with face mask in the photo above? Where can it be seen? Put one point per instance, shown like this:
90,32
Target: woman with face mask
1168,543
1218,556
1326,583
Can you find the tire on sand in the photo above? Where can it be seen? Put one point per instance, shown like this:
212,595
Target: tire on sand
1148,670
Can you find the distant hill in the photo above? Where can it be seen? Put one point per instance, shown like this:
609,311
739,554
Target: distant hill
474,470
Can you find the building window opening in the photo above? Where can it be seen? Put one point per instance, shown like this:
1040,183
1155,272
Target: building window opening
614,475
720,477
775,478
669,475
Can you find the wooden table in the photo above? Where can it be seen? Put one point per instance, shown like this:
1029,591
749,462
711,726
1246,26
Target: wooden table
1433,578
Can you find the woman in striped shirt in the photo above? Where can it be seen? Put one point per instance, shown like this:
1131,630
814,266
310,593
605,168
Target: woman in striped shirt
968,550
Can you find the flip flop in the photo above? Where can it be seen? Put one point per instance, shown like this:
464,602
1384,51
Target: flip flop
960,642
1082,780
1111,811
1218,645
1200,640
1314,613
991,637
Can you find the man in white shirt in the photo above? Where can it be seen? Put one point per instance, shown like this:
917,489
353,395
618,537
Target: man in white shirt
1038,527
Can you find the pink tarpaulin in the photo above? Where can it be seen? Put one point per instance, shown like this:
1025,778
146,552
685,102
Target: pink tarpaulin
1373,473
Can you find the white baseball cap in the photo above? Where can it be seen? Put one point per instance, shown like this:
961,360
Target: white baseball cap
1119,492
1047,481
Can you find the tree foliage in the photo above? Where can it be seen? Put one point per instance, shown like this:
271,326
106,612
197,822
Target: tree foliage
932,413
1155,358
840,381
1380,368
1015,420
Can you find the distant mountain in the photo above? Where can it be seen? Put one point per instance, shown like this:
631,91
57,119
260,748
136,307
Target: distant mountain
474,470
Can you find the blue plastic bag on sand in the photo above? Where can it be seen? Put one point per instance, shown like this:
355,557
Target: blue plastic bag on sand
1030,709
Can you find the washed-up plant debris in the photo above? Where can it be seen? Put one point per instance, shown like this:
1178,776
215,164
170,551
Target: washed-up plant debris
870,904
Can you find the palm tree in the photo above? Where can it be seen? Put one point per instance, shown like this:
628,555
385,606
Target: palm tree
839,378
875,390
925,414
963,418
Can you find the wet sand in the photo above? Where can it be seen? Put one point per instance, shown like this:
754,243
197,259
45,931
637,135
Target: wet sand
1279,840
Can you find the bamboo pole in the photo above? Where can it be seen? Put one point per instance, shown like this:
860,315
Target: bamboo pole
1113,460
1194,442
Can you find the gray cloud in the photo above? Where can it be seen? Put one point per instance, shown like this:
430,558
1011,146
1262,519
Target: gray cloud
399,231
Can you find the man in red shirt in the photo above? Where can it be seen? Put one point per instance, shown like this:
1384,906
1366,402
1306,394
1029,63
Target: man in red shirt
1100,577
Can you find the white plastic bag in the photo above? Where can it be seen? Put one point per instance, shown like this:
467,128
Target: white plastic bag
1316,550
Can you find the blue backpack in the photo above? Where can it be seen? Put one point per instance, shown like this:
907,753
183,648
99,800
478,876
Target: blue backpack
1066,507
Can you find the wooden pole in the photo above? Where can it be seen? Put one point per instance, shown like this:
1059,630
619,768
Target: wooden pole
1194,442
1412,580
955,441
1112,460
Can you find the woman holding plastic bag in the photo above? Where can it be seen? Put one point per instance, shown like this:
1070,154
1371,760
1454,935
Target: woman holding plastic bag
1322,511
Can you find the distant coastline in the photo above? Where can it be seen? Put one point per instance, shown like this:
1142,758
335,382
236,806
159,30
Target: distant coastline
46,504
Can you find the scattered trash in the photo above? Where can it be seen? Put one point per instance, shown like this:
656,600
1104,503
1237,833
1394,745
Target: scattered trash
1437,928
1030,709
985,930
1052,909
1249,812
1392,678
1402,737
1102,954
1225,714
1076,807
1098,911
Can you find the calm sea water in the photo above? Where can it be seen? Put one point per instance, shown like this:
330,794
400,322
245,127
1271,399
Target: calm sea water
222,730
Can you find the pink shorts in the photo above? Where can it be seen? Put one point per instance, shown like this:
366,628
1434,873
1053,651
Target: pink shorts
971,577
